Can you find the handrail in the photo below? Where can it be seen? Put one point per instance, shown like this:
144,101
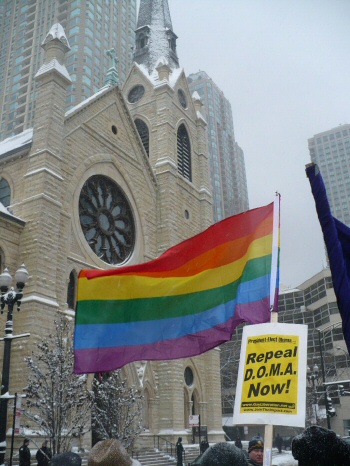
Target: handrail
168,445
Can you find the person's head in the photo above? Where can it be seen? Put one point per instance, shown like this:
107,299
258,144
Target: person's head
256,450
68,458
26,441
179,439
109,452
318,446
44,444
223,454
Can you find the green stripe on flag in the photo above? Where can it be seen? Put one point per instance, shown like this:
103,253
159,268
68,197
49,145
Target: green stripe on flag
165,307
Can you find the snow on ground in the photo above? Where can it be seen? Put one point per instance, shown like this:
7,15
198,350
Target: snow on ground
283,459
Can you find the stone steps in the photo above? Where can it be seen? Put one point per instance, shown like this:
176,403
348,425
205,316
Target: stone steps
152,457
160,458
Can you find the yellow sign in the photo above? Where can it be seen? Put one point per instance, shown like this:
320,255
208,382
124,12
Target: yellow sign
271,382
270,374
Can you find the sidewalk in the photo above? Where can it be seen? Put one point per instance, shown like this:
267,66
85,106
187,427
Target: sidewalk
283,459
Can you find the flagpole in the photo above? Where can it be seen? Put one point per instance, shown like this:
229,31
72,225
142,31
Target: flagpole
274,286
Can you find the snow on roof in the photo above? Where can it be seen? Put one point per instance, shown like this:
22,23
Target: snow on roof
154,77
147,12
56,32
158,40
26,137
162,61
200,116
286,290
6,211
159,21
88,100
3,208
39,299
15,142
54,65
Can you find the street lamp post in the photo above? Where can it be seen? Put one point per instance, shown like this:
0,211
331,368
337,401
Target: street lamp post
9,297
345,352
324,380
320,344
312,376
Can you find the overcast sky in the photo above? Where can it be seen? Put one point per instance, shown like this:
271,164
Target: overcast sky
284,66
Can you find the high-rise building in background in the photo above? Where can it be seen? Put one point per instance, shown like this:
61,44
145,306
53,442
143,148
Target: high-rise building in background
226,158
91,27
314,303
331,151
240,188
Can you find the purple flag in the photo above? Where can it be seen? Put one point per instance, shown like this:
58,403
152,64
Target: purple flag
337,238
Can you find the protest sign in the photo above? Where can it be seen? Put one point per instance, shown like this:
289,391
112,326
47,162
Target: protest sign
271,383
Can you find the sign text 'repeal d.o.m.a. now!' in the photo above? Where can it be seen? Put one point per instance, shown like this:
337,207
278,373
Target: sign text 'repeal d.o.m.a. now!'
271,374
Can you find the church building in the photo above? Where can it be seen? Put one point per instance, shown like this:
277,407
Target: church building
114,181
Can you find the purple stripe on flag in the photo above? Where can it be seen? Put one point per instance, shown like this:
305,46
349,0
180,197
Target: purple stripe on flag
107,359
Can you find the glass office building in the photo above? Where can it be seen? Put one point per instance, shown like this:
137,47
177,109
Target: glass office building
331,151
91,27
226,158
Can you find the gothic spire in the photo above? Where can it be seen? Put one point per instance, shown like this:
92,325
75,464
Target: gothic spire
154,35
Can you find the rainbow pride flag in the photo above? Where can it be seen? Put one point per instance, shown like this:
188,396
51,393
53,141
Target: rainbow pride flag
183,303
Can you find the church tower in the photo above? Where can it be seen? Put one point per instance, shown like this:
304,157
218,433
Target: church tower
173,132
171,128
154,35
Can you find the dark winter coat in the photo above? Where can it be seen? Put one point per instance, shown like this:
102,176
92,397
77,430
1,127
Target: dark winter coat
317,446
179,450
204,446
254,463
224,454
238,443
43,456
278,441
67,458
24,456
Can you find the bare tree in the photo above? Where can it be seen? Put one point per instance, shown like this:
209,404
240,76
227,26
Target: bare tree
229,362
117,409
57,400
316,392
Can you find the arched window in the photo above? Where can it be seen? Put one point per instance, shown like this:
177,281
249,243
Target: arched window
5,192
184,153
143,131
143,41
71,290
172,44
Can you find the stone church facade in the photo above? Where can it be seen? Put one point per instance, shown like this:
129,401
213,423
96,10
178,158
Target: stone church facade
117,180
